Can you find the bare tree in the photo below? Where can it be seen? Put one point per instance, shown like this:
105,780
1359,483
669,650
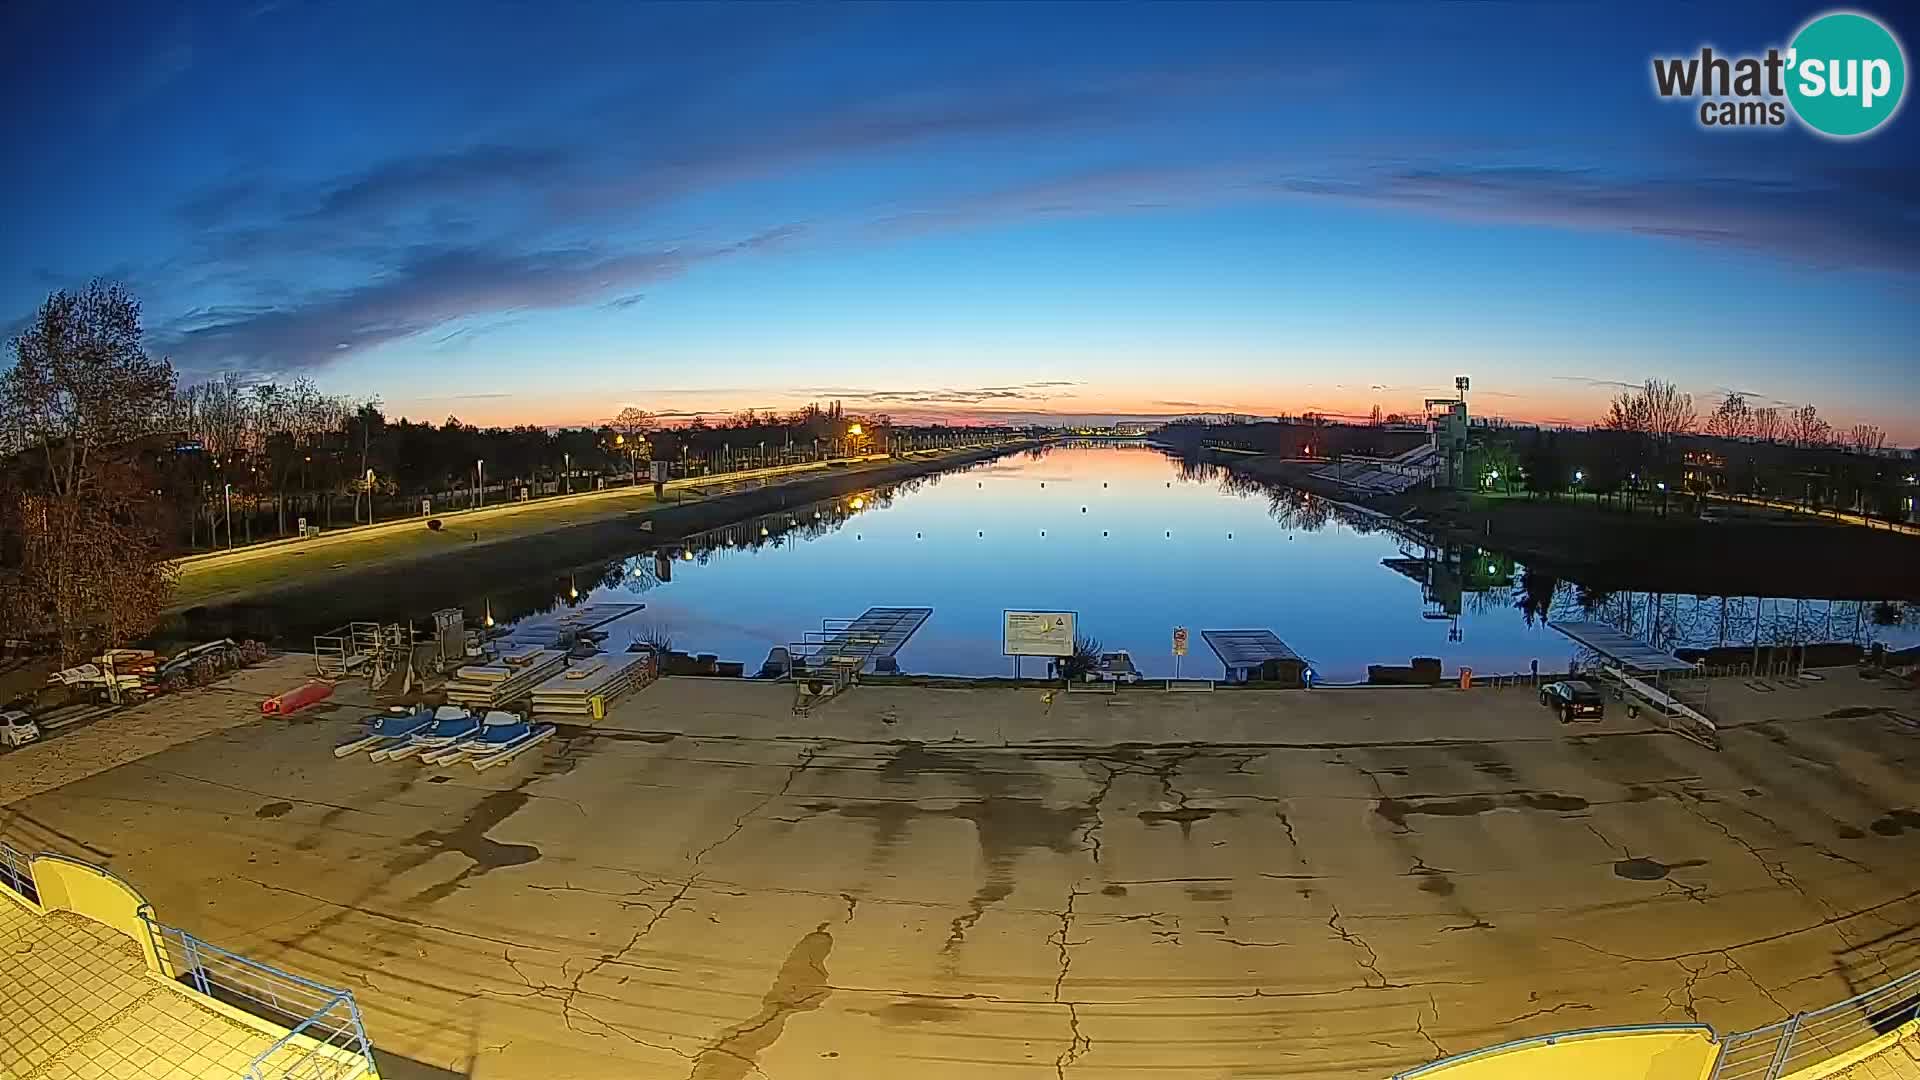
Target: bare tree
630,430
1732,418
1805,427
1765,424
81,394
1866,439
1657,408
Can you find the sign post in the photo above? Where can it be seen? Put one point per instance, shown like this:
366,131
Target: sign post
1179,648
1036,633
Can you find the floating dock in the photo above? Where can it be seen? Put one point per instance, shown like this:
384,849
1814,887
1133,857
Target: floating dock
1257,656
877,635
1630,653
562,629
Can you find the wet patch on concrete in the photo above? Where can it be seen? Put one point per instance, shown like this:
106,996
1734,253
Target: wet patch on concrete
380,794
984,897
1114,890
1650,869
1399,810
1183,816
1848,832
274,810
1436,883
922,1011
1896,822
655,738
1005,828
469,839
800,986
1203,895
1484,759
913,762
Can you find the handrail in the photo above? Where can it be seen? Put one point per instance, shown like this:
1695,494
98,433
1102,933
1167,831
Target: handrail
1547,1040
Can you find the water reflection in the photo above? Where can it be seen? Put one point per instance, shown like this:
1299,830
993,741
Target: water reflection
1138,542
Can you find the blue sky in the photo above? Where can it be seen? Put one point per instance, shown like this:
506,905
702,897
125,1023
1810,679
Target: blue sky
544,213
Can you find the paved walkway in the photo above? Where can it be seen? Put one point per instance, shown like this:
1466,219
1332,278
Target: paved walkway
136,732
76,1004
962,884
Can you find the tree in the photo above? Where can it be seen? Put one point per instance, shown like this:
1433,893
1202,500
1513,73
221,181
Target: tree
1865,439
1657,408
1805,427
1732,418
79,400
1547,472
630,432
1765,424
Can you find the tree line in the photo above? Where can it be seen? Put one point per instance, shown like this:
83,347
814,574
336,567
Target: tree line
111,468
1661,410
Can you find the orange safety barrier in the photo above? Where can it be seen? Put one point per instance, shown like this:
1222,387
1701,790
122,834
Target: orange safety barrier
294,700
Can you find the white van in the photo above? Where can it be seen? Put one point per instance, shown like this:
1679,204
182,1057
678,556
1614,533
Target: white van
17,729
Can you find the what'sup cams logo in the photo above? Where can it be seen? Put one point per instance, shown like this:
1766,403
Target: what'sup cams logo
1843,76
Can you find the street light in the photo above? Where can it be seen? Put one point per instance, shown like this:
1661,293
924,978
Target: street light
567,472
480,478
369,496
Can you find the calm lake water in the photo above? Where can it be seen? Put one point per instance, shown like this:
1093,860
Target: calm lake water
1136,543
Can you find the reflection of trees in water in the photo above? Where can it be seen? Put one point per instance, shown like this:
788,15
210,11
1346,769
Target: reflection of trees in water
1682,620
644,572
1293,508
1535,595
1298,510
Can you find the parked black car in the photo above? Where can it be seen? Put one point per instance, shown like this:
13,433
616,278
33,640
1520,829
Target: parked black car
1573,699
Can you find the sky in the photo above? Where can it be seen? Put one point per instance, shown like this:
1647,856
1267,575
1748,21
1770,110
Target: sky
544,213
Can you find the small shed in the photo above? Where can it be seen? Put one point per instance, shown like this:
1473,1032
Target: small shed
1257,656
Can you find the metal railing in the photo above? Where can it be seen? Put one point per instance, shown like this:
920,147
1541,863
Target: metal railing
1809,1038
16,872
1553,1039
325,1039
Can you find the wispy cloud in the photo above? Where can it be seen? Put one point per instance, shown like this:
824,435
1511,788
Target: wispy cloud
432,288
1043,390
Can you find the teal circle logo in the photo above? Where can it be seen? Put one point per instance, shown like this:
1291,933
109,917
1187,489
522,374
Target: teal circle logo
1846,74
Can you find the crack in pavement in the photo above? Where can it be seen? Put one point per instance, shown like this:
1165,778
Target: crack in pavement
1577,1006
1090,836
1078,1044
1689,1006
1372,961
572,991
1762,940
1419,1026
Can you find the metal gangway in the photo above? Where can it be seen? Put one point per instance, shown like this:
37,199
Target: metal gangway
1660,682
828,660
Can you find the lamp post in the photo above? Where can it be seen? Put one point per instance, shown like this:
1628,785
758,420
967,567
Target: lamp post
479,483
229,497
566,473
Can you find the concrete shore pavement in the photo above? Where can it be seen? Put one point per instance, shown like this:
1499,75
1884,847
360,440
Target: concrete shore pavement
1007,883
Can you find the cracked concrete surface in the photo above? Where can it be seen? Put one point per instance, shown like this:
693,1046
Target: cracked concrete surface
960,883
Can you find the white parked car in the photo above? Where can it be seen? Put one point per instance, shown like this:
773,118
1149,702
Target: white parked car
17,729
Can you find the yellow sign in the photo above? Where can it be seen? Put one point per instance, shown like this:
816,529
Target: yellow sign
1179,641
